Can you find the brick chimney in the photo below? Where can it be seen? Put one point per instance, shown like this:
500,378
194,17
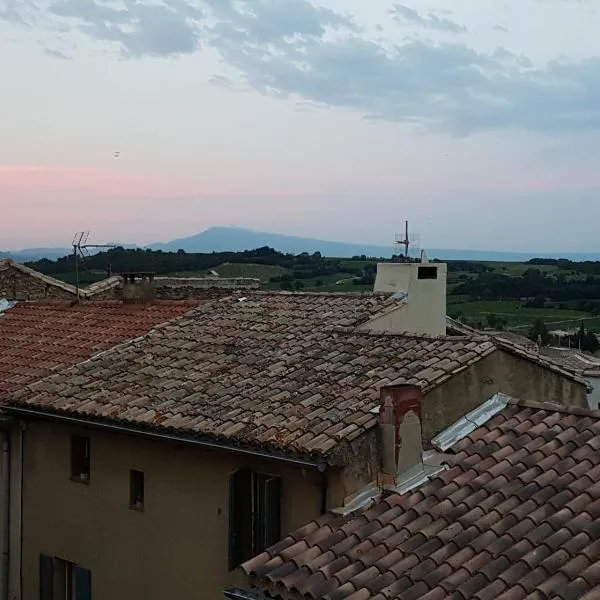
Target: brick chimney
400,431
138,288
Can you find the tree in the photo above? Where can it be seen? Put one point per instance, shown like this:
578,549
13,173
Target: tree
298,285
539,332
590,342
491,320
285,285
319,282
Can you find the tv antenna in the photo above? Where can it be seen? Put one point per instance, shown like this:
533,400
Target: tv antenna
80,252
407,241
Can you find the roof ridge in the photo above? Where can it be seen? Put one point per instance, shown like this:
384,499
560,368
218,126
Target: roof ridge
536,357
306,294
558,408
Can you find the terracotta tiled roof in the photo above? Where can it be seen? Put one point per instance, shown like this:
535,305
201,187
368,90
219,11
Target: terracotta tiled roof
533,354
573,360
41,337
285,371
516,516
522,346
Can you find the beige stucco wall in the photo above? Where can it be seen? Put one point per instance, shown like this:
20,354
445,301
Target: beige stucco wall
499,372
425,308
176,548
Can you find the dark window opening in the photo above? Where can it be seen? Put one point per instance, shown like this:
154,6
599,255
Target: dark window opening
254,514
63,580
80,458
427,273
136,489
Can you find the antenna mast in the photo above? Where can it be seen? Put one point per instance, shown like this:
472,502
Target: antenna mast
407,241
80,251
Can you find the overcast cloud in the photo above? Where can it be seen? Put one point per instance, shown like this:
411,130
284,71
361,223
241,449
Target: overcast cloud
292,47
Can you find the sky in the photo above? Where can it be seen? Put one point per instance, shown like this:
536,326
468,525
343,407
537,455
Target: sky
140,121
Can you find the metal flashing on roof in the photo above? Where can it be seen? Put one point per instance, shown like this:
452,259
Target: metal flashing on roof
359,500
240,594
400,295
471,421
6,305
431,465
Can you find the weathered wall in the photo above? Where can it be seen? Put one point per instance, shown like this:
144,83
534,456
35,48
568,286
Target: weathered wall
499,372
15,285
443,406
173,288
176,548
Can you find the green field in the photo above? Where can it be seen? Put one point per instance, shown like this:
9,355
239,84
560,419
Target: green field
262,272
513,312
519,317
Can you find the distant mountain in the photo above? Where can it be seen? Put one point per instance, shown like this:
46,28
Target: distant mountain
235,239
33,254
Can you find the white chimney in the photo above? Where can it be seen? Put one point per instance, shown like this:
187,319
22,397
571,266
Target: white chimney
425,309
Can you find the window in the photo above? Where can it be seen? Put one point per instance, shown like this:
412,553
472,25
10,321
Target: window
427,273
254,514
63,580
136,489
80,458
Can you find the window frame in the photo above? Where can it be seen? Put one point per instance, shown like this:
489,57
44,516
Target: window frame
81,466
255,514
136,480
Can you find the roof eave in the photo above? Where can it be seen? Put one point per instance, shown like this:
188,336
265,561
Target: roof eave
114,426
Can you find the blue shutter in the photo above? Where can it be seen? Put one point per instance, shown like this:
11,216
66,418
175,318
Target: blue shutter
240,518
272,511
83,584
46,577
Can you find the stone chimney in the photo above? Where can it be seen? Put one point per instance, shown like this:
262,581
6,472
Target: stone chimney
400,432
424,285
138,288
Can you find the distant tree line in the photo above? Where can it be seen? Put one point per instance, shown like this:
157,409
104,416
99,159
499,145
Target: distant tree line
532,284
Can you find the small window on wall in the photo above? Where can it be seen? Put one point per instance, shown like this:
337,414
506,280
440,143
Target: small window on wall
254,514
136,489
80,458
427,273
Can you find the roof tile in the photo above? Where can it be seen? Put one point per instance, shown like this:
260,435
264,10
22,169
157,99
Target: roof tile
41,337
277,370
533,535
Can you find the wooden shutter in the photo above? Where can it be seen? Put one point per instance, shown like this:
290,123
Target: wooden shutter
46,577
271,511
240,517
83,584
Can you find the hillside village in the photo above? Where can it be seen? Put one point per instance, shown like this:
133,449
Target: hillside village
177,435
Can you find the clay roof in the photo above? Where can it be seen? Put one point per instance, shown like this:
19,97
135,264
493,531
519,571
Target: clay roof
516,516
573,367
41,337
573,360
540,356
285,371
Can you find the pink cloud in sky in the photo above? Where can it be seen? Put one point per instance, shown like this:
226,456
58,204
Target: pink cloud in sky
29,181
